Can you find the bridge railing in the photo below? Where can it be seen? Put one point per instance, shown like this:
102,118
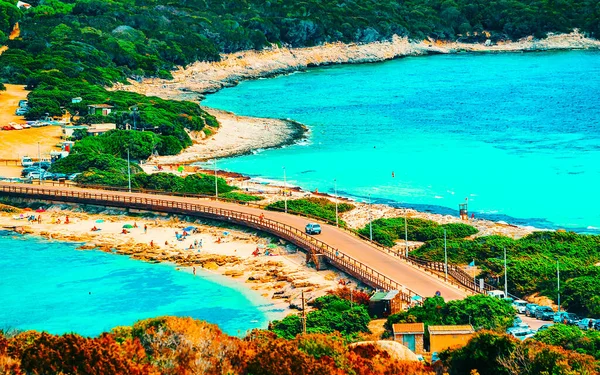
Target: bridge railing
299,237
457,276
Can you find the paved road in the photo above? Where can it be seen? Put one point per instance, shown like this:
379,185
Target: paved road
413,278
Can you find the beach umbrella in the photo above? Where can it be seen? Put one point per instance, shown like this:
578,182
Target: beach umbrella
226,233
99,221
128,226
189,229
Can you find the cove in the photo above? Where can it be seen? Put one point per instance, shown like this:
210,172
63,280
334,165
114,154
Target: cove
517,134
50,286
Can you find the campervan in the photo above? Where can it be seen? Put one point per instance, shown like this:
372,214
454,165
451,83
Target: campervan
496,294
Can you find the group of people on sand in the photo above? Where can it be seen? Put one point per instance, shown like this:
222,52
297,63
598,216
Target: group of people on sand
57,220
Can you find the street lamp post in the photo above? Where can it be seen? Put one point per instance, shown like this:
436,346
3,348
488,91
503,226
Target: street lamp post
505,276
128,171
445,258
406,232
284,191
216,184
337,223
370,220
39,164
558,283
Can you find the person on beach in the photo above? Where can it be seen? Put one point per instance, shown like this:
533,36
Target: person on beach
191,247
194,270
94,229
195,243
166,243
145,229
219,240
58,221
135,224
124,231
151,243
67,219
39,219
200,243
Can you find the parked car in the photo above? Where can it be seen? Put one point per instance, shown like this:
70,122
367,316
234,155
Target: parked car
545,326
586,323
566,318
530,309
48,176
313,228
35,175
544,313
28,170
597,325
58,176
519,305
42,164
21,111
522,334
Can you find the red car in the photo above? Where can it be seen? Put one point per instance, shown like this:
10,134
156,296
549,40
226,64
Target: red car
7,127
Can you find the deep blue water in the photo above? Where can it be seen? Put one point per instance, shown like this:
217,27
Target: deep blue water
50,286
517,134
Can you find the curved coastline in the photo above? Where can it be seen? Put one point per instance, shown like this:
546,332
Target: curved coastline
201,78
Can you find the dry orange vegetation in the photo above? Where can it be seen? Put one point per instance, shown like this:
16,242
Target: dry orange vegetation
181,346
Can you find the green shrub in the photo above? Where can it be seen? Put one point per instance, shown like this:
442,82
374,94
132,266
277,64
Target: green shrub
318,207
388,231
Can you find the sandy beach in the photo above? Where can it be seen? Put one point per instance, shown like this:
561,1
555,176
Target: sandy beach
237,135
277,272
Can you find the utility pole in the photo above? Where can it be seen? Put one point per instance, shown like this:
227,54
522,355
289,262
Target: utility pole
128,171
284,191
505,276
303,315
216,185
406,232
558,283
337,223
39,164
370,220
445,258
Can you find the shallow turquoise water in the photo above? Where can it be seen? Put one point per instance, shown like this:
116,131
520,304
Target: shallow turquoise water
51,286
516,134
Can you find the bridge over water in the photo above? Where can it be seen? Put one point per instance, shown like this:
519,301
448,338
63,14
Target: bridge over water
374,265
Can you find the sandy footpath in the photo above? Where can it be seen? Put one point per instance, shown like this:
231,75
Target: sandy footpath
278,273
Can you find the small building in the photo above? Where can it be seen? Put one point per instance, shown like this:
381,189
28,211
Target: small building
444,337
76,100
410,335
68,130
98,129
100,109
383,304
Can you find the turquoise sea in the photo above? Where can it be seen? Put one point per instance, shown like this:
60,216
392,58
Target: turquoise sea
50,286
518,134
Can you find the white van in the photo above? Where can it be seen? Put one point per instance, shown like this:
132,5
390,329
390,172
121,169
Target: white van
496,294
519,305
26,161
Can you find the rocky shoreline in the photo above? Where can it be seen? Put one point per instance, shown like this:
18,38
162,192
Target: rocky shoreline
200,78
